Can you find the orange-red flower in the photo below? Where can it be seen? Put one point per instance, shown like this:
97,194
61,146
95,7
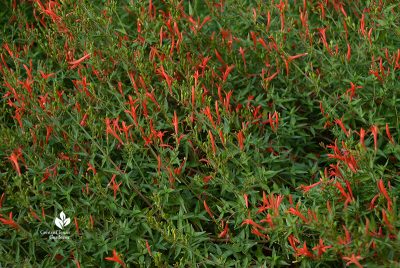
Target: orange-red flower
252,223
75,63
212,142
388,134
382,189
240,138
207,209
9,221
295,211
114,185
353,259
339,122
115,258
225,231
321,247
374,130
304,251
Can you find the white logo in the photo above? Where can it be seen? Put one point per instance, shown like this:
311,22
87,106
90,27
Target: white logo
62,221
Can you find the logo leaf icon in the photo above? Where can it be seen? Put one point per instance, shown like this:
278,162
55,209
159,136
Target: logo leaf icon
62,221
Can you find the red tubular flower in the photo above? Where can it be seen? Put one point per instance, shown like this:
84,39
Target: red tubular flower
14,157
132,112
253,36
372,203
353,260
240,138
281,7
171,178
212,142
293,241
256,232
92,168
290,58
339,122
111,131
178,170
148,248
321,108
153,99
83,121
167,78
219,57
225,231
382,189
5,45
272,202
14,160
114,185
208,209
275,202
296,212
9,221
75,63
33,213
304,251
389,135
19,112
206,179
46,76
276,116
386,220
352,90
252,223
132,78
115,258
175,123
306,188
347,238
374,130
268,220
347,196
348,56
49,129
362,137
227,72
125,129
362,24
262,42
207,112
345,29
321,247
144,106
152,13
321,6
322,32
266,205
349,189
246,200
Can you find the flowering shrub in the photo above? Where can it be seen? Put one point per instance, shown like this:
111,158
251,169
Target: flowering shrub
207,133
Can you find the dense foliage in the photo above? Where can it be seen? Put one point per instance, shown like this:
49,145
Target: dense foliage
200,133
